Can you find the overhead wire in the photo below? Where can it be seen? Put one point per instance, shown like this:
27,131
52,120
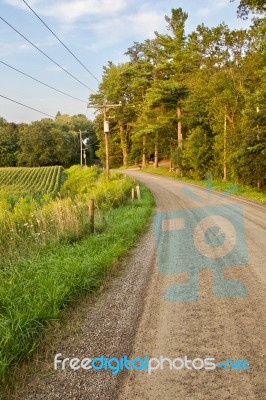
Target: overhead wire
45,84
46,55
66,47
24,105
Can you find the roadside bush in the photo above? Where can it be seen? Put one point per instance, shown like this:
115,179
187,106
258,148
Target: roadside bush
79,180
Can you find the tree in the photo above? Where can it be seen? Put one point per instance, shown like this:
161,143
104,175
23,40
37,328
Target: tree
197,154
36,144
193,98
254,6
49,142
8,144
172,90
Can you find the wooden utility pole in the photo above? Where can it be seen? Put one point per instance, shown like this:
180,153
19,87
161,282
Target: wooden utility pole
80,140
105,107
225,146
179,127
81,147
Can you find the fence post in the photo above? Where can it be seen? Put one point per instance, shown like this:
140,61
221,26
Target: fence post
138,192
91,215
133,193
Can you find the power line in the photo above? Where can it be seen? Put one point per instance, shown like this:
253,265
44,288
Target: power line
37,48
84,66
45,84
24,105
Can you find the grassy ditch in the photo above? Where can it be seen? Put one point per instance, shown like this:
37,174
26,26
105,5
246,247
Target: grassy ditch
235,189
34,291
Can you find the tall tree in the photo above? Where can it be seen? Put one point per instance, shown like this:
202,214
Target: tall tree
8,144
246,6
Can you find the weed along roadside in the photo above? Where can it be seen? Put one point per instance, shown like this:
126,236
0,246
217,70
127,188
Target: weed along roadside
68,261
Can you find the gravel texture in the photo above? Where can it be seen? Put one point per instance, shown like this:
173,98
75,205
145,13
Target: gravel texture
219,327
132,318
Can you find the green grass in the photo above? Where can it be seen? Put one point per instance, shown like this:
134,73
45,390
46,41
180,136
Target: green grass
34,292
235,189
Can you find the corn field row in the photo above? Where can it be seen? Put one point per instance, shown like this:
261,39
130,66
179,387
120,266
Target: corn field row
31,180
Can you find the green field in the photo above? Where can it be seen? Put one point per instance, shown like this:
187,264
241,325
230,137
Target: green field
21,180
48,254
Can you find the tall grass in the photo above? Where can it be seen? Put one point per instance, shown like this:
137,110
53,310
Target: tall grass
31,225
28,229
48,257
34,291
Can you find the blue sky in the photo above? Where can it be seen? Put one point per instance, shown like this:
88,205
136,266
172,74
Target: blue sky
96,31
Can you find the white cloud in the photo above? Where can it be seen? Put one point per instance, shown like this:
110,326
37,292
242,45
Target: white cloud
145,17
146,22
212,7
222,3
108,21
24,46
204,12
138,25
72,10
9,49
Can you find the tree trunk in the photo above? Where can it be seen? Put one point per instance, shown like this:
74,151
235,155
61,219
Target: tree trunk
123,143
144,152
156,159
179,126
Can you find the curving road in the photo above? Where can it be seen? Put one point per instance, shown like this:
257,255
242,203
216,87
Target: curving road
203,308
203,297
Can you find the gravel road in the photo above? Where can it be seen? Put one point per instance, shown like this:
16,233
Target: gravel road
174,309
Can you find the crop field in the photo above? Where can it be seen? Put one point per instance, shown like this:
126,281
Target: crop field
22,180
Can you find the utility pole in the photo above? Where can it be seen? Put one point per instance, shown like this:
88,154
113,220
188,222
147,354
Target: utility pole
81,147
105,107
85,157
80,139
225,146
179,127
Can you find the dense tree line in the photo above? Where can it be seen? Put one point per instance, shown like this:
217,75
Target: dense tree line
199,100
46,142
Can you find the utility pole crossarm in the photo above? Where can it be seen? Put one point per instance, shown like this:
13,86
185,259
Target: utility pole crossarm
104,106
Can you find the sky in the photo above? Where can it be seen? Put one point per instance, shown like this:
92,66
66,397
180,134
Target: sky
96,31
